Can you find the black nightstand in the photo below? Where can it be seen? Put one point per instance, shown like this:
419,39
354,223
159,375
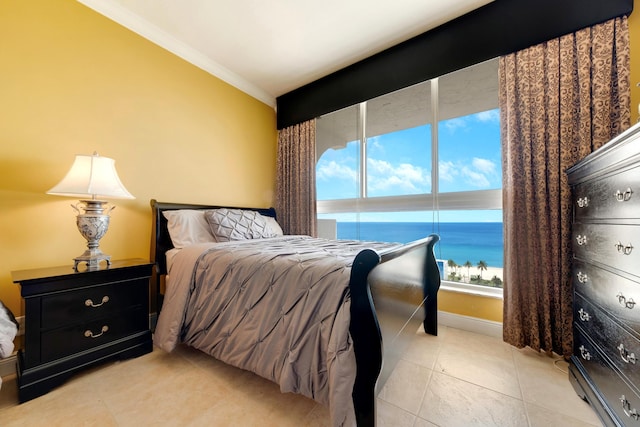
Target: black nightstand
77,319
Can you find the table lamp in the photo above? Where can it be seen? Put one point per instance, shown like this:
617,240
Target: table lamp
91,178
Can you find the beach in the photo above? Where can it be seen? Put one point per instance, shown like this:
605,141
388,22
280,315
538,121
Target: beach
474,271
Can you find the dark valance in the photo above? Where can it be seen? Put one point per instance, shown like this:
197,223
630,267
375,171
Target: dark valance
499,28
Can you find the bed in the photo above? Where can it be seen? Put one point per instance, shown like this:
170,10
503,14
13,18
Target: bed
324,318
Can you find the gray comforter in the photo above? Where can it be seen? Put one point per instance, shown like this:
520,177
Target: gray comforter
278,307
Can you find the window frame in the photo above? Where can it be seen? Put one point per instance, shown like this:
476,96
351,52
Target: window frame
434,201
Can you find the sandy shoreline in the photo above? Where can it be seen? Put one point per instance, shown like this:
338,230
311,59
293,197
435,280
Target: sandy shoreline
474,271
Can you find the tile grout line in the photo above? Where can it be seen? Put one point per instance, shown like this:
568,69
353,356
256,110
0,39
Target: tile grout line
524,403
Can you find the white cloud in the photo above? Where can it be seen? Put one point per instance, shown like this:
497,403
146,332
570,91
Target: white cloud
455,124
448,171
333,170
476,174
475,178
387,179
484,165
489,116
374,143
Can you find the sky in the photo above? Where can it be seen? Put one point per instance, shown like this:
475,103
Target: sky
399,163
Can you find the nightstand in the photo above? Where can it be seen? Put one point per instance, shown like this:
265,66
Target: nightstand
77,319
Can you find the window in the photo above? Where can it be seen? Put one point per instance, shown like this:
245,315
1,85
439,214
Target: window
386,173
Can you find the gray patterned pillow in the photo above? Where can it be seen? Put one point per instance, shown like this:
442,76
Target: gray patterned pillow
237,224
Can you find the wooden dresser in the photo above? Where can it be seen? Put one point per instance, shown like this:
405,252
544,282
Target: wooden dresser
605,366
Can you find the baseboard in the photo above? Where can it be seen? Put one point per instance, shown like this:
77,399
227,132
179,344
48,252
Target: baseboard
8,365
471,324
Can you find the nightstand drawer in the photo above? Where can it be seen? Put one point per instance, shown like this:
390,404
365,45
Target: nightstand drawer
82,305
72,339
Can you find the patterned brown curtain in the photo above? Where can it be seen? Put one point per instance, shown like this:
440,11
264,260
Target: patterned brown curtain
296,179
559,101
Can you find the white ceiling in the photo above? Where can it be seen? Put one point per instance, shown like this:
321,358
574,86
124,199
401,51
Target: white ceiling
268,48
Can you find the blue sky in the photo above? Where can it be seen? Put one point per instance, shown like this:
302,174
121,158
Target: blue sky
399,163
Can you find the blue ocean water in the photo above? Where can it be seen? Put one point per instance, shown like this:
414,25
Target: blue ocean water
459,241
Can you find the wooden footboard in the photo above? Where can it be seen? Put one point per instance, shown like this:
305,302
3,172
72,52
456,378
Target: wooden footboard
392,292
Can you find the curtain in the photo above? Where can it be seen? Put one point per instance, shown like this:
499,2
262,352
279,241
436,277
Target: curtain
296,179
559,101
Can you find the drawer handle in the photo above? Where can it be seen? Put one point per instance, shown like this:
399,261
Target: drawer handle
622,300
584,353
582,240
626,250
89,302
625,355
582,277
626,407
89,334
583,202
624,196
584,316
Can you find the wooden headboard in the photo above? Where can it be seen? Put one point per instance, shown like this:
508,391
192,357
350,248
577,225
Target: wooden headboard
161,241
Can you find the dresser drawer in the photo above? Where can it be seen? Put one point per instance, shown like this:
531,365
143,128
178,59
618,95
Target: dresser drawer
82,305
623,400
621,348
67,340
615,294
615,245
616,196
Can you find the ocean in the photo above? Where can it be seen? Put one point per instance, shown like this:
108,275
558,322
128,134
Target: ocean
459,241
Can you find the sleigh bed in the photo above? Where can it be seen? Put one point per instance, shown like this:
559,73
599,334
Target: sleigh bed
324,318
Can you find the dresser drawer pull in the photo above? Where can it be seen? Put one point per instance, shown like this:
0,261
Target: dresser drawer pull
626,407
622,300
89,302
584,316
584,353
582,277
89,334
625,355
582,240
626,250
623,196
583,202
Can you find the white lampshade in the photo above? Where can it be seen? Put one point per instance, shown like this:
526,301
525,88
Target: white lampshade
93,176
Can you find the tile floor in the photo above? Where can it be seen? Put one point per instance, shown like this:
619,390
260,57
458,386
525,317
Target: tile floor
456,379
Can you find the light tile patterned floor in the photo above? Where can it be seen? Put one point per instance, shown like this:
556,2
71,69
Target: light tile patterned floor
455,379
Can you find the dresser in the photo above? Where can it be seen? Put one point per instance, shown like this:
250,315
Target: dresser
78,319
605,366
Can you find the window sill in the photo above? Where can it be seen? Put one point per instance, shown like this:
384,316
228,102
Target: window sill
465,288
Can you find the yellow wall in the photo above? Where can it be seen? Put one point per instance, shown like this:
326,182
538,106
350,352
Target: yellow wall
471,305
74,82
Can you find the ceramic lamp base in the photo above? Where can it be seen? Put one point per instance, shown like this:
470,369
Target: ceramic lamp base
93,225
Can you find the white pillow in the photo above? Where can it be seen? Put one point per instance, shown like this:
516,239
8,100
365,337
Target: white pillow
188,227
273,225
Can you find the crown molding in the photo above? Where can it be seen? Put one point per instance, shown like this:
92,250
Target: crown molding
154,34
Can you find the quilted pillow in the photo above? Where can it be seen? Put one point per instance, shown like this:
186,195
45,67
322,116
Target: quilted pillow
187,227
237,224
